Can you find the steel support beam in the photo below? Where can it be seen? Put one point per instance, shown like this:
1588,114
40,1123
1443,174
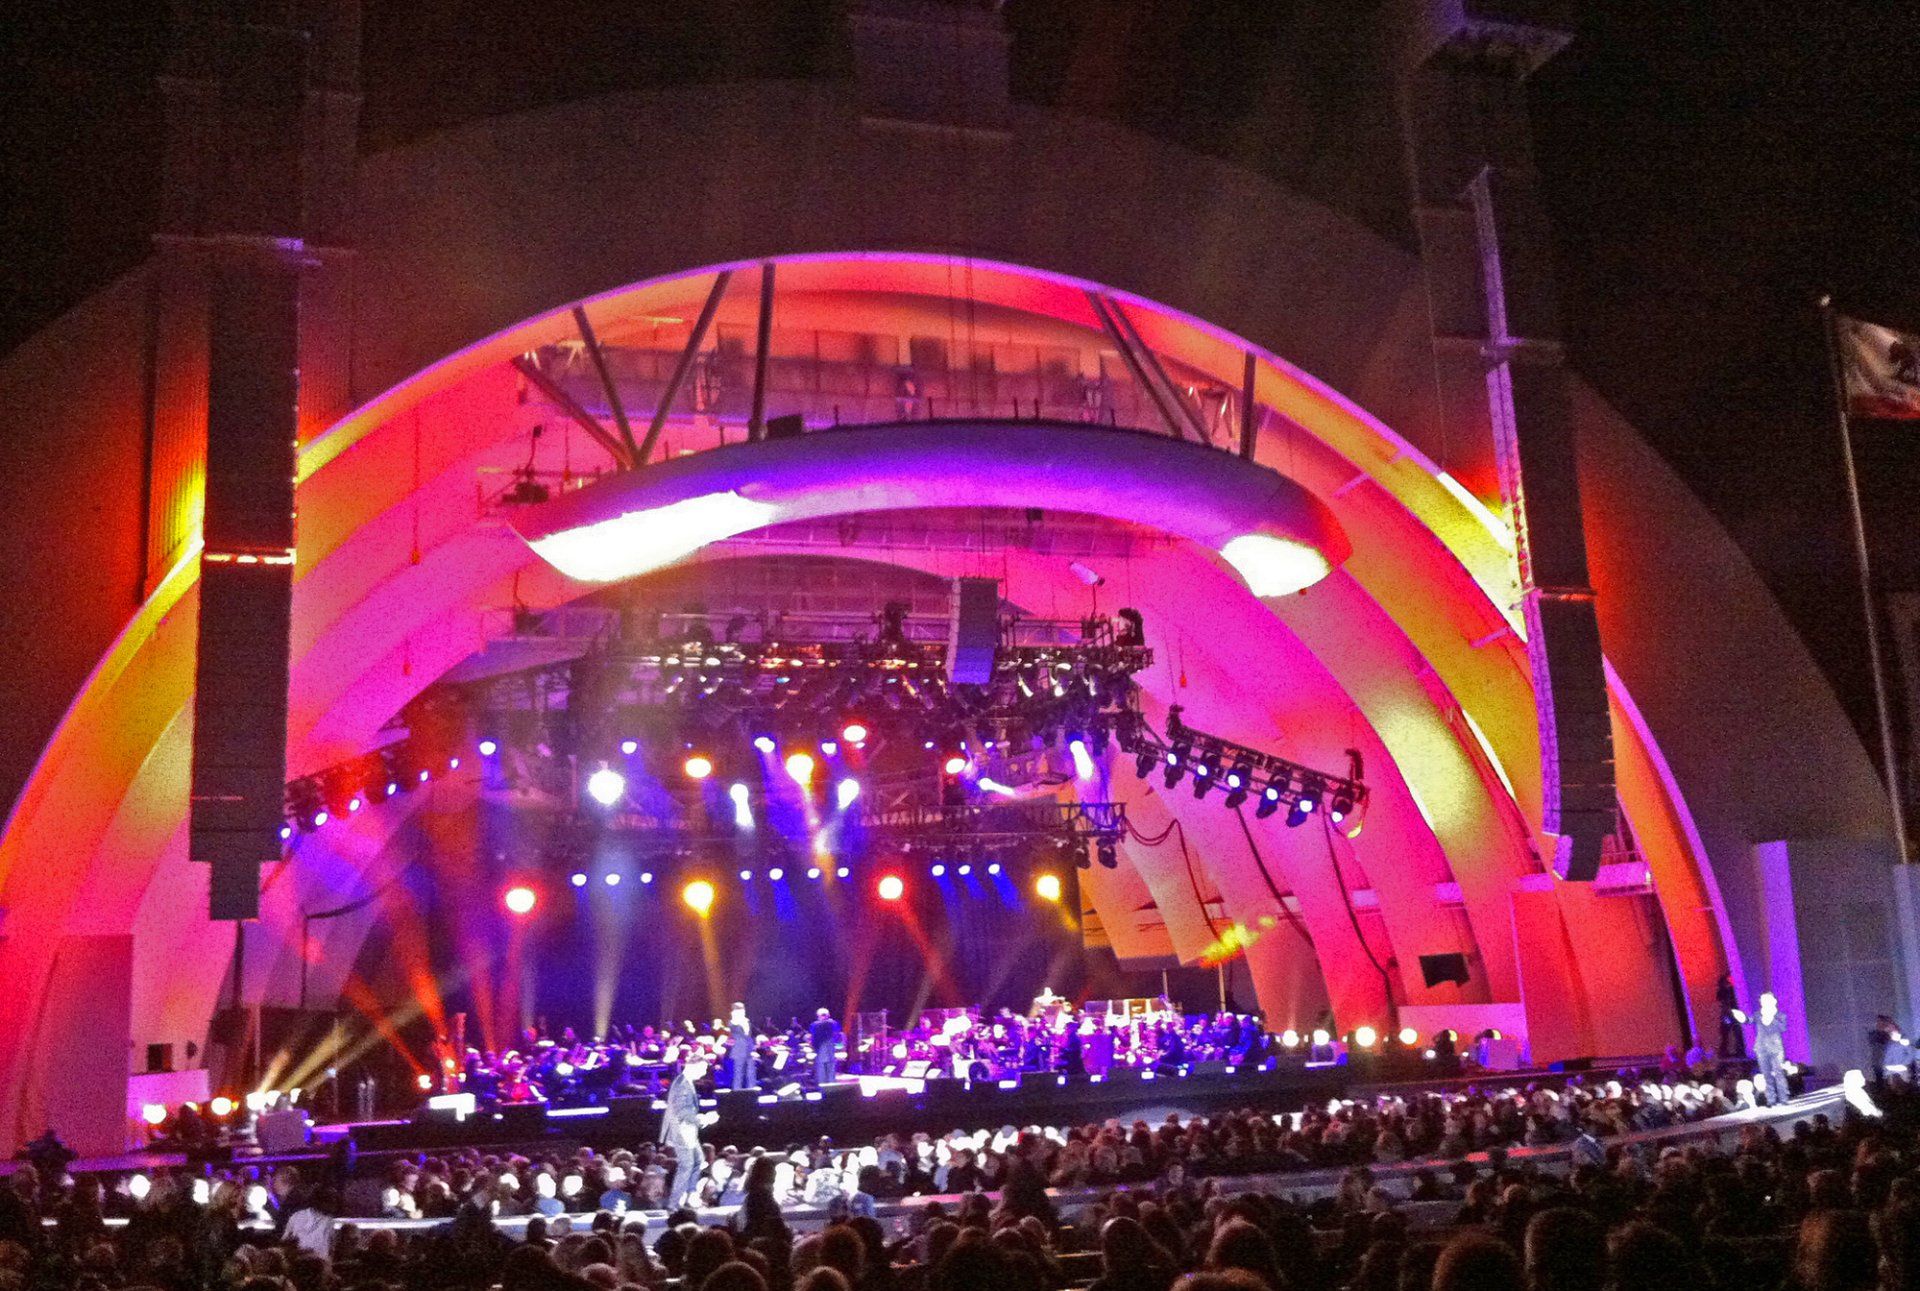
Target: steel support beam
762,343
1132,360
1249,410
614,405
600,435
684,366
1189,415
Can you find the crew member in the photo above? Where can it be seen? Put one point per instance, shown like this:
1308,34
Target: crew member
1733,1041
825,1034
680,1130
740,1049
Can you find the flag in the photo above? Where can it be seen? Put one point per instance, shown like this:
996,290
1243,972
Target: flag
1881,368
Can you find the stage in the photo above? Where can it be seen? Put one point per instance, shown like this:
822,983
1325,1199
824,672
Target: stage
861,1107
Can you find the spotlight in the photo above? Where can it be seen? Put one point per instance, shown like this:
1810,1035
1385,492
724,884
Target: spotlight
955,764
831,748
1341,806
519,900
776,874
698,767
746,876
1365,1037
453,764
994,868
606,786
1321,1038
1176,764
1103,850
891,887
742,805
800,767
153,1114
1409,1037
354,804
699,896
764,743
847,792
1082,760
578,879
813,871
842,872
1298,812
1047,887
964,870
938,871
854,733
1290,1039
1239,783
286,832
488,748
646,876
1143,762
320,818
221,1105
629,747
612,879
1269,802
425,775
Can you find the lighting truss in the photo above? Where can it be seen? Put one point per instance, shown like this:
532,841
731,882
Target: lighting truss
1274,783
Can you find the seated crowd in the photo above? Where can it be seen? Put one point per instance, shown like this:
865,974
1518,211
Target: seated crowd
1824,1208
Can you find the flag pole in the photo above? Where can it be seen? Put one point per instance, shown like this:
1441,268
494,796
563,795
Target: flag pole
1889,757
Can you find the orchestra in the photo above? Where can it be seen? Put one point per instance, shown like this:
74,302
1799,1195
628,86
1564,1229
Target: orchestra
957,1043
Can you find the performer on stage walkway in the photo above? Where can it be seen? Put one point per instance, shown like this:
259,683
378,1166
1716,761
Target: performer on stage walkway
1769,1048
680,1130
825,1034
740,1049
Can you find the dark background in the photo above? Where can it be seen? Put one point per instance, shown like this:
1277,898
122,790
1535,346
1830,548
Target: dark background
1711,168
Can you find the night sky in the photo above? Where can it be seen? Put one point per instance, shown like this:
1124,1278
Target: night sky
1711,169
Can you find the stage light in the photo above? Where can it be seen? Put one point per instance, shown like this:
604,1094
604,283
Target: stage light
153,1114
578,879
393,787
1321,1039
831,748
425,775
646,876
939,871
848,790
139,1186
1270,798
991,785
1365,1037
286,832
453,764
854,733
1047,887
699,896
1082,760
488,748
1298,812
994,868
776,874
842,872
764,743
891,887
612,879
520,900
746,876
1341,806
1176,764
800,767
221,1105
1409,1037
813,871
742,805
955,764
1290,1039
606,786
1239,782
698,767
964,870
320,818
1143,762
1104,852
1274,566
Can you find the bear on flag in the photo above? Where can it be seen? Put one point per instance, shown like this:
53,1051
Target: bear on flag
1881,368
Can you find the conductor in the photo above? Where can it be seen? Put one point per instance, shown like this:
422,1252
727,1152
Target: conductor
680,1130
